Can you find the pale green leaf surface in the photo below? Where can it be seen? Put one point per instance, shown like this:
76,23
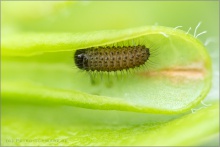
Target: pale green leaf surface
71,126
44,71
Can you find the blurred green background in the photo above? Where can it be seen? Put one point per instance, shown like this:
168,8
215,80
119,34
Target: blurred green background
86,16
104,15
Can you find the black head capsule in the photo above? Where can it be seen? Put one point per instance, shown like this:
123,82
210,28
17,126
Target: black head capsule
81,59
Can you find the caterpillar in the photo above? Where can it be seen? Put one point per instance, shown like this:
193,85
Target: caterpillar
119,60
110,59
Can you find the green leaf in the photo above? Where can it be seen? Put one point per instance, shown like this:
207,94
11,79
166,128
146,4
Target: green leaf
69,126
38,67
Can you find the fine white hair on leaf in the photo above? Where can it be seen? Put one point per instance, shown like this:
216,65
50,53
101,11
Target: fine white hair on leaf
204,106
177,27
207,105
195,110
188,30
164,34
197,35
196,28
209,40
201,33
